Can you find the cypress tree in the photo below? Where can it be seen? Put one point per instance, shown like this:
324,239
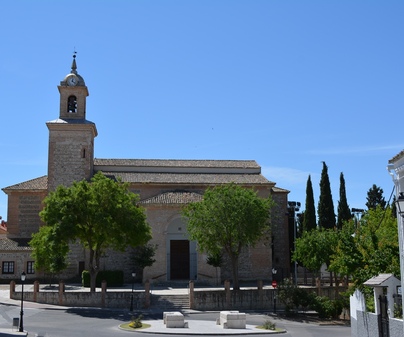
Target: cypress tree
375,198
326,214
309,219
344,213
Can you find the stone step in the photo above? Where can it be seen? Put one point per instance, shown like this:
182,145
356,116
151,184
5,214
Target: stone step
170,301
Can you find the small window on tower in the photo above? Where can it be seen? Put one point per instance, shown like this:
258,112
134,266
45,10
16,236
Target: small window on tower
83,153
72,104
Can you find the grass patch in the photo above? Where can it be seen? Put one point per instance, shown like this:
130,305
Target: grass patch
135,324
269,325
127,326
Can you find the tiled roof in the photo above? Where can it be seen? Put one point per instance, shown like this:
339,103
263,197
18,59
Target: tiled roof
378,280
396,157
181,178
14,244
279,190
175,197
40,183
177,163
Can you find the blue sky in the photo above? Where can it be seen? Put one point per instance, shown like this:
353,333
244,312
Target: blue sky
287,83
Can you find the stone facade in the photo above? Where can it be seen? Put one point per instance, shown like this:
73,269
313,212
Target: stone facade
164,187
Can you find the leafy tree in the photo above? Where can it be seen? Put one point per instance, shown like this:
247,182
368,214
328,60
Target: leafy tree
49,253
216,261
228,218
346,257
369,249
144,256
375,198
309,220
326,214
315,248
344,213
99,215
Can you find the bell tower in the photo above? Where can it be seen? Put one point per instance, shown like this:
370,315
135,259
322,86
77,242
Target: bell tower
71,136
73,93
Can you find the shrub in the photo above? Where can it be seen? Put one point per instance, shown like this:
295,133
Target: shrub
136,322
294,297
327,308
269,325
114,278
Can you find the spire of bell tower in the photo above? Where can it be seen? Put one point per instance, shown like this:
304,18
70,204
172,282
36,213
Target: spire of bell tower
74,65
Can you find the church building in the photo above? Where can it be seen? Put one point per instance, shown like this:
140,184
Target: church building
164,187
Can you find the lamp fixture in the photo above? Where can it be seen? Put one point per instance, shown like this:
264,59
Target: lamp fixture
400,204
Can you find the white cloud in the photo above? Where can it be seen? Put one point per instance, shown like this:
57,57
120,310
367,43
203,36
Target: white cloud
286,176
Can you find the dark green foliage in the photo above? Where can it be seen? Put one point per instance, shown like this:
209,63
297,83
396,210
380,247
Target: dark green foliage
49,252
309,219
344,213
215,260
229,218
101,214
295,298
136,322
375,198
326,214
144,256
114,278
327,308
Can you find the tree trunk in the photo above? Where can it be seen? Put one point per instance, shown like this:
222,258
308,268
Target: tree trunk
234,263
93,266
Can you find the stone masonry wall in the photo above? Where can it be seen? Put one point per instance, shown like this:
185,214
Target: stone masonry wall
70,157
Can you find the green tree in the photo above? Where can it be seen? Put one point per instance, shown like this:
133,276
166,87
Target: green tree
309,219
144,256
49,253
99,215
315,248
375,198
229,218
369,249
215,261
326,214
344,213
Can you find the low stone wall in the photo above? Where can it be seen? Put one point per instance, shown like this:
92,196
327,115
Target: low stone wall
214,300
100,299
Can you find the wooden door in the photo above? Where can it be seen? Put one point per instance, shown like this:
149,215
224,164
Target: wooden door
179,259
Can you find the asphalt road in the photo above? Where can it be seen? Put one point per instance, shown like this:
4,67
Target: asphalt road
67,322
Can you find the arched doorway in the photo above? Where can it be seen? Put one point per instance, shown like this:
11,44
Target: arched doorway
181,253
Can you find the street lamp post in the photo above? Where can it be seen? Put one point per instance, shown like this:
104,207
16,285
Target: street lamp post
21,329
294,207
131,297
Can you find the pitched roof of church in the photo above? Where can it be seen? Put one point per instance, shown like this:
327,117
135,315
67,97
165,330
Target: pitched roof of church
170,171
177,163
175,197
181,178
37,184
174,171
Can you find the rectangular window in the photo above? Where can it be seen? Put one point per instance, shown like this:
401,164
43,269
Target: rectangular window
30,267
8,267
